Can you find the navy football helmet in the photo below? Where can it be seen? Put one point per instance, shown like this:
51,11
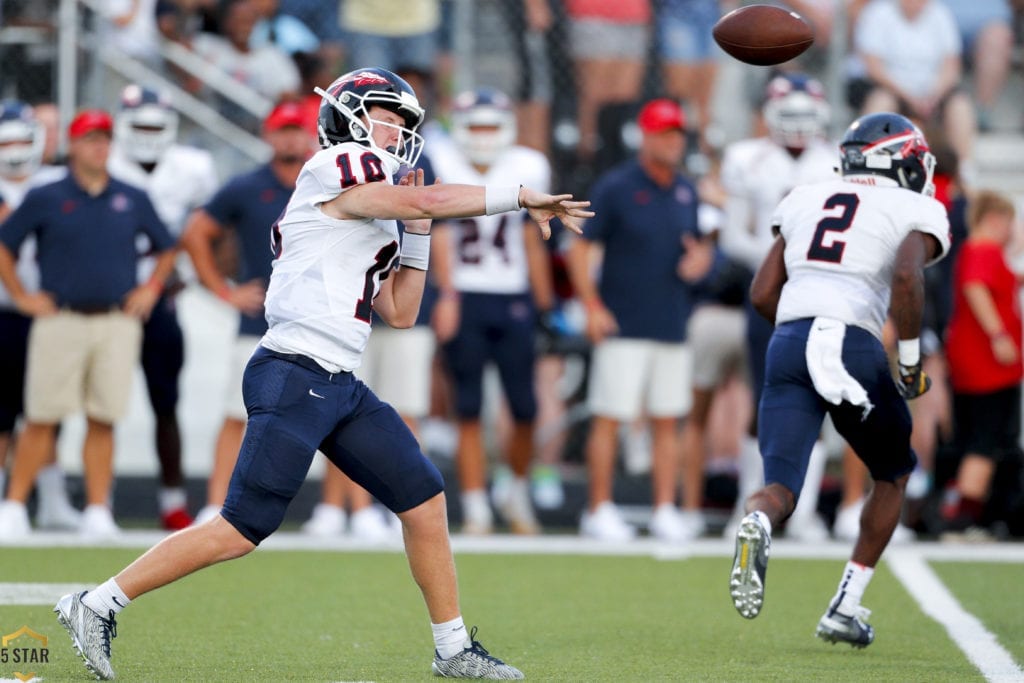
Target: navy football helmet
146,124
344,112
889,145
795,110
483,124
22,139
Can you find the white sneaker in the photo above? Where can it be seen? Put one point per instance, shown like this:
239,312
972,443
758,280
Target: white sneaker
501,486
369,524
809,530
57,513
326,520
477,519
98,523
14,524
206,514
847,524
606,524
546,486
518,509
669,524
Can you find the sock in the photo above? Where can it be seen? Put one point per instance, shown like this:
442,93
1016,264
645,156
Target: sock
851,587
105,598
170,499
50,484
476,507
450,638
765,522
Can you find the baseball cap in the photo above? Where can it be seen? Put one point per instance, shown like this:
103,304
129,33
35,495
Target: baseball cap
285,114
88,121
661,115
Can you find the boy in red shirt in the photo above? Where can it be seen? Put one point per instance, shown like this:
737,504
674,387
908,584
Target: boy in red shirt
983,347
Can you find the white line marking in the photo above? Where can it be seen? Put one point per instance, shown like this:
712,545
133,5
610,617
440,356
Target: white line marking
970,635
37,593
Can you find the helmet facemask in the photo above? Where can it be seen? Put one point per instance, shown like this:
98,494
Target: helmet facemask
21,147
144,133
354,111
483,126
795,119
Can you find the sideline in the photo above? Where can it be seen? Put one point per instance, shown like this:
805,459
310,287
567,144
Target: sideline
980,645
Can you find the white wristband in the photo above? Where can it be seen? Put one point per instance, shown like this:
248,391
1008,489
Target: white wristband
501,199
909,351
415,251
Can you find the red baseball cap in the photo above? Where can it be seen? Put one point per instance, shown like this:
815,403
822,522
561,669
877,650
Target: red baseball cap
90,120
661,115
286,114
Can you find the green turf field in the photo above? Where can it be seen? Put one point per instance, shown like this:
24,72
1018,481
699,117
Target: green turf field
357,616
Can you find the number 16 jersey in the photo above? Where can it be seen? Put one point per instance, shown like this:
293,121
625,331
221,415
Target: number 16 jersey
327,271
841,242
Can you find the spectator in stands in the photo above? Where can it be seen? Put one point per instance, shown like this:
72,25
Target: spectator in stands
177,179
393,33
267,69
493,276
912,55
986,29
87,327
130,27
688,53
22,147
637,309
756,174
984,352
278,28
249,205
322,18
608,41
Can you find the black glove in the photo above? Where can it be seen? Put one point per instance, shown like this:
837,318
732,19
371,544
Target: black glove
912,381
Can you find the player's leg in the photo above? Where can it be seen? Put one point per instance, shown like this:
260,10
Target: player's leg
513,353
232,430
285,426
163,356
377,450
466,354
668,400
614,396
882,440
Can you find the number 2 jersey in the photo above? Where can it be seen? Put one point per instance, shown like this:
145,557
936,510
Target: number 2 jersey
327,271
489,255
841,242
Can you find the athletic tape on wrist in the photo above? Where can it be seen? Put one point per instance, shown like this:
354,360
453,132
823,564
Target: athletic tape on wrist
501,199
415,251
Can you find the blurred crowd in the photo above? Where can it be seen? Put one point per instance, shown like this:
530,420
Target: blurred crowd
630,351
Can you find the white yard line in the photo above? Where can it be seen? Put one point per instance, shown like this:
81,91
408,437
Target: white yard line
37,593
979,644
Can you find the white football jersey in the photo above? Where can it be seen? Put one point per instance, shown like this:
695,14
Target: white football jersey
327,271
489,254
756,174
841,242
184,179
13,192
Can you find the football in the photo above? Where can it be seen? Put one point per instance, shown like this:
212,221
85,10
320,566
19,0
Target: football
763,34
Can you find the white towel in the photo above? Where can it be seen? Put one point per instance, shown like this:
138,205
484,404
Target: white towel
824,354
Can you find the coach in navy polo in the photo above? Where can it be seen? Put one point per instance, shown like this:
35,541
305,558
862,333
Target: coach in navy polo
87,317
637,310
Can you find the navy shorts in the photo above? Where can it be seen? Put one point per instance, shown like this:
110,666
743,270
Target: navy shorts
988,424
14,328
791,411
498,328
295,408
163,355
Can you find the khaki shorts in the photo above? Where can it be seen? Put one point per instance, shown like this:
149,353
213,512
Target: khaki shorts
717,336
634,377
600,39
80,362
234,404
396,366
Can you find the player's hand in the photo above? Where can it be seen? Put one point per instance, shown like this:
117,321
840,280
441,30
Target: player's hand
36,304
543,207
140,301
600,322
912,381
414,178
697,259
445,317
247,297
